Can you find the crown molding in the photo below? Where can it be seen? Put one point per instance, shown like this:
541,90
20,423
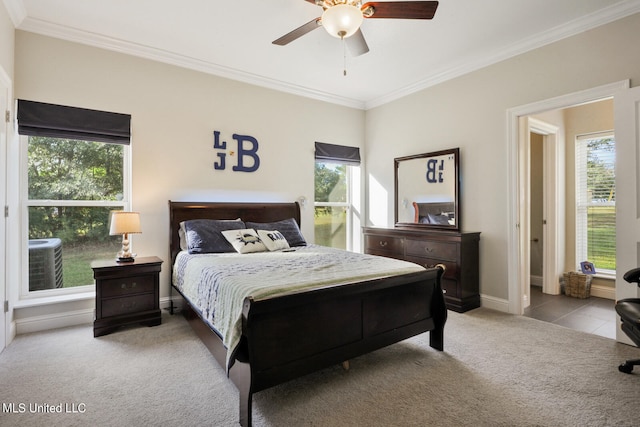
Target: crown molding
18,15
577,26
17,11
96,40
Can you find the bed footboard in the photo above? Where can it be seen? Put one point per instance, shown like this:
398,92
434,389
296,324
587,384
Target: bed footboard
288,337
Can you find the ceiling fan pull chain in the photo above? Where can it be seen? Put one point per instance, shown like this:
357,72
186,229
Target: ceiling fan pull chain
344,56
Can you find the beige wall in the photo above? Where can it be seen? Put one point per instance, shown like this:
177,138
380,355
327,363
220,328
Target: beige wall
470,112
174,113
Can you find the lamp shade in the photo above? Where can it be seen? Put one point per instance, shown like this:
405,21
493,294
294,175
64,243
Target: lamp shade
342,20
124,223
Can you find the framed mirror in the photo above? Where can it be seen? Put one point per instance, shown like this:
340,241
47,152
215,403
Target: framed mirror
427,190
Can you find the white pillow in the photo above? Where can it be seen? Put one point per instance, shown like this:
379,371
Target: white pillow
273,240
244,241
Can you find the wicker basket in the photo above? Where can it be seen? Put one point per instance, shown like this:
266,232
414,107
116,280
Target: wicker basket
577,285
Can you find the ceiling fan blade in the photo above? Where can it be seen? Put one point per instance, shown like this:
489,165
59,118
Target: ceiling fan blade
298,32
401,9
357,44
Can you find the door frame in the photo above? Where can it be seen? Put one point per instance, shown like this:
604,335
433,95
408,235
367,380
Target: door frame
518,217
5,106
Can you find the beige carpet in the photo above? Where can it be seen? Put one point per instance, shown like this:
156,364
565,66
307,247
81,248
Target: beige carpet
496,370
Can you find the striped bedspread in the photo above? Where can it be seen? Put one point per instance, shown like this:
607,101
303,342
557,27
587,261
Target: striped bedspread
217,284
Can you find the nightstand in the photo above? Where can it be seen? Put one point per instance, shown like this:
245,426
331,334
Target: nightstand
126,293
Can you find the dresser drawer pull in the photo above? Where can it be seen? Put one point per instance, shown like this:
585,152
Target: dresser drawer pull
383,243
124,285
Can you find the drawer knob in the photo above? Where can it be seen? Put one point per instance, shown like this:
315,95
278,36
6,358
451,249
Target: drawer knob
383,243
427,249
128,305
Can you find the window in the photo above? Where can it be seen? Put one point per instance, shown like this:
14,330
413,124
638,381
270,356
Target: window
337,174
596,201
73,178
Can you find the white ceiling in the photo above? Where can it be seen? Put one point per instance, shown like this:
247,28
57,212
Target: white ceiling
233,39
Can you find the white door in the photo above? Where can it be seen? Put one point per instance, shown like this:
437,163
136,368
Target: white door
553,209
4,108
627,125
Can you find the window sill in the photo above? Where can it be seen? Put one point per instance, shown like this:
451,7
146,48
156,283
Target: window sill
605,276
55,299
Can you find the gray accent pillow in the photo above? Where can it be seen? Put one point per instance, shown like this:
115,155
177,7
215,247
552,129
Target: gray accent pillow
288,227
438,219
204,236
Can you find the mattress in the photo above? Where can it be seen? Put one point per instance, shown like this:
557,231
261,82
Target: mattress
216,285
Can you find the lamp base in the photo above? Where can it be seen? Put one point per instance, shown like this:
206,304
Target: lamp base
125,259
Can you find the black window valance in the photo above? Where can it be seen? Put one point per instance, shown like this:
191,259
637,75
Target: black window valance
58,121
337,153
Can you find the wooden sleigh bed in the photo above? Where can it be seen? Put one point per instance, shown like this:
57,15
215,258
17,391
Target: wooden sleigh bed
286,337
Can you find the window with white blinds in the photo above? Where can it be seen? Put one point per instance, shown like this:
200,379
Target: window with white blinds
596,201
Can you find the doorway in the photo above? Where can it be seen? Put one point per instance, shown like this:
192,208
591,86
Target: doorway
519,193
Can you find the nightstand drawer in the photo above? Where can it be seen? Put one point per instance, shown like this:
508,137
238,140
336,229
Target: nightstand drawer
440,250
383,243
126,305
127,285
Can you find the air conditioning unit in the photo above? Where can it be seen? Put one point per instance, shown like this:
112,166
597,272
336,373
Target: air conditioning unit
45,264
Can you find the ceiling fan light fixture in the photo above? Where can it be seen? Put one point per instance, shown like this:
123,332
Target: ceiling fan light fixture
342,20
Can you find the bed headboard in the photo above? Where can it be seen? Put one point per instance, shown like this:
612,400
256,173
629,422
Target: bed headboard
254,212
422,210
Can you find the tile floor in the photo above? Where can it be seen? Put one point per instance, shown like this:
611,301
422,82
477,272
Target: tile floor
593,315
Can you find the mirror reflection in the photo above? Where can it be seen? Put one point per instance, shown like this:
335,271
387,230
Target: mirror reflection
427,190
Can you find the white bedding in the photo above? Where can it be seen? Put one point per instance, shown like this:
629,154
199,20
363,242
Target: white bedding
217,284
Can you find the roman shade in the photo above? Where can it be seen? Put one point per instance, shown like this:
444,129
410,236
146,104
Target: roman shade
337,153
58,121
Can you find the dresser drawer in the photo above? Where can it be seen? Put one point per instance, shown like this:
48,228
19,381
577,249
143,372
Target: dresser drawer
386,254
432,249
126,305
127,285
374,243
451,267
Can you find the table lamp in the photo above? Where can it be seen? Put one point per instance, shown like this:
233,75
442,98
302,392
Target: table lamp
125,223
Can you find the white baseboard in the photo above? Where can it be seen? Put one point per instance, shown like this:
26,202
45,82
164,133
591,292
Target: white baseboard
54,321
494,303
535,281
68,318
603,292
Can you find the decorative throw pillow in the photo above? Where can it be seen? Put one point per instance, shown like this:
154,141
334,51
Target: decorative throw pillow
204,235
245,241
288,227
273,240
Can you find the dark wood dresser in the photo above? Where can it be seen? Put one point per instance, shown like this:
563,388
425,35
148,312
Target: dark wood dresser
458,251
126,293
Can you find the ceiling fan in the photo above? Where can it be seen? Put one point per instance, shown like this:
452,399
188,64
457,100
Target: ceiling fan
342,19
